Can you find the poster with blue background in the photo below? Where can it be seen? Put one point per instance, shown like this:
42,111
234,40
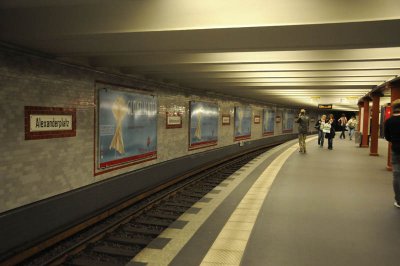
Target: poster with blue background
287,120
127,127
268,121
203,124
242,122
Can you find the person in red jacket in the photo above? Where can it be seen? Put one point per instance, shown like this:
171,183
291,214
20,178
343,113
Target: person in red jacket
392,134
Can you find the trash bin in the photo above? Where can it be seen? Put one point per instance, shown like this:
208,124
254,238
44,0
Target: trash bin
357,137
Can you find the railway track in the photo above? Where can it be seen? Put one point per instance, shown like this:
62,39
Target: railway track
118,238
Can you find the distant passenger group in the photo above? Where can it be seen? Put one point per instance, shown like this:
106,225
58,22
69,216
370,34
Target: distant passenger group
326,128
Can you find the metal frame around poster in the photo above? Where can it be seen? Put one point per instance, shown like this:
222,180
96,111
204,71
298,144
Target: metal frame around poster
203,124
126,127
243,121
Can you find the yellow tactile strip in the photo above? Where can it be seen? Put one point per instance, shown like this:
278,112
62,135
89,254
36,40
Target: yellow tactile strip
180,237
230,244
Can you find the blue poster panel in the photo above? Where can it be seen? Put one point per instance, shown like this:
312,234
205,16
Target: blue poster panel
287,120
203,130
242,122
268,121
127,127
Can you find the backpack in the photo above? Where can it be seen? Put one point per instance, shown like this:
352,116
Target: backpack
351,124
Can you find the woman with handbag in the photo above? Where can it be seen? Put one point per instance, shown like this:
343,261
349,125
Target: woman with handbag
329,130
320,126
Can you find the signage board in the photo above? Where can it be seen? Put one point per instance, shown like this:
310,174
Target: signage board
324,106
49,122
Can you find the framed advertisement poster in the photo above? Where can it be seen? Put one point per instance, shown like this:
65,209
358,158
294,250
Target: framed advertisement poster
127,127
203,130
243,121
268,121
287,120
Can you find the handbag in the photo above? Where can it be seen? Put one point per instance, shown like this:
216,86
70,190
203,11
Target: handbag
326,128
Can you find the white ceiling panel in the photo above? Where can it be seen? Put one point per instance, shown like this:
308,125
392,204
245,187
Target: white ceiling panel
294,53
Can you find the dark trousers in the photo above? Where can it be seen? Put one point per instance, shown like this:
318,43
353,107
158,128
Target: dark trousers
321,137
330,143
396,175
343,132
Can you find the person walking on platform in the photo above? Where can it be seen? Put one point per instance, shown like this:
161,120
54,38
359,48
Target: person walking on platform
303,121
319,125
352,126
331,134
392,134
343,122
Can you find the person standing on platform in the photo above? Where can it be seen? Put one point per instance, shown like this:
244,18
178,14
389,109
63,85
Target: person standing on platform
331,133
392,134
343,122
303,121
352,126
319,126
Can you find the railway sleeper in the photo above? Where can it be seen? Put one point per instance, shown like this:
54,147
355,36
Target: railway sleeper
187,199
163,215
130,241
173,208
144,221
141,230
92,262
179,204
213,183
192,194
115,251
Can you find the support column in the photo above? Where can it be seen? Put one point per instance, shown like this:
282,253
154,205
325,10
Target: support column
365,118
359,116
394,95
373,151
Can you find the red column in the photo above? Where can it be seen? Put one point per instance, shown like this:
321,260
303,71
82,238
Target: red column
359,116
394,95
365,133
374,125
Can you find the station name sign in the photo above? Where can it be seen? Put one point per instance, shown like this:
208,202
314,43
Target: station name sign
324,106
40,123
49,122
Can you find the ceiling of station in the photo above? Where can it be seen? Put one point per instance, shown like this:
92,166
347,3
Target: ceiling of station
298,53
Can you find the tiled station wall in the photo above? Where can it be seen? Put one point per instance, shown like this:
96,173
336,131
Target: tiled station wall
32,170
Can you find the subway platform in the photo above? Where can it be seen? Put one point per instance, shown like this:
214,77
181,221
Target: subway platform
326,207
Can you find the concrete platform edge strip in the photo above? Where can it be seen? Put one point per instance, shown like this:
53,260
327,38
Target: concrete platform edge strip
230,244
180,237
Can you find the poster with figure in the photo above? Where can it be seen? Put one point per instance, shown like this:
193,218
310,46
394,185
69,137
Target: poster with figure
243,121
203,130
127,124
268,121
287,120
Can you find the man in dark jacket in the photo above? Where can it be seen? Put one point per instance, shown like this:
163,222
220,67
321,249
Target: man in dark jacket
392,134
303,121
